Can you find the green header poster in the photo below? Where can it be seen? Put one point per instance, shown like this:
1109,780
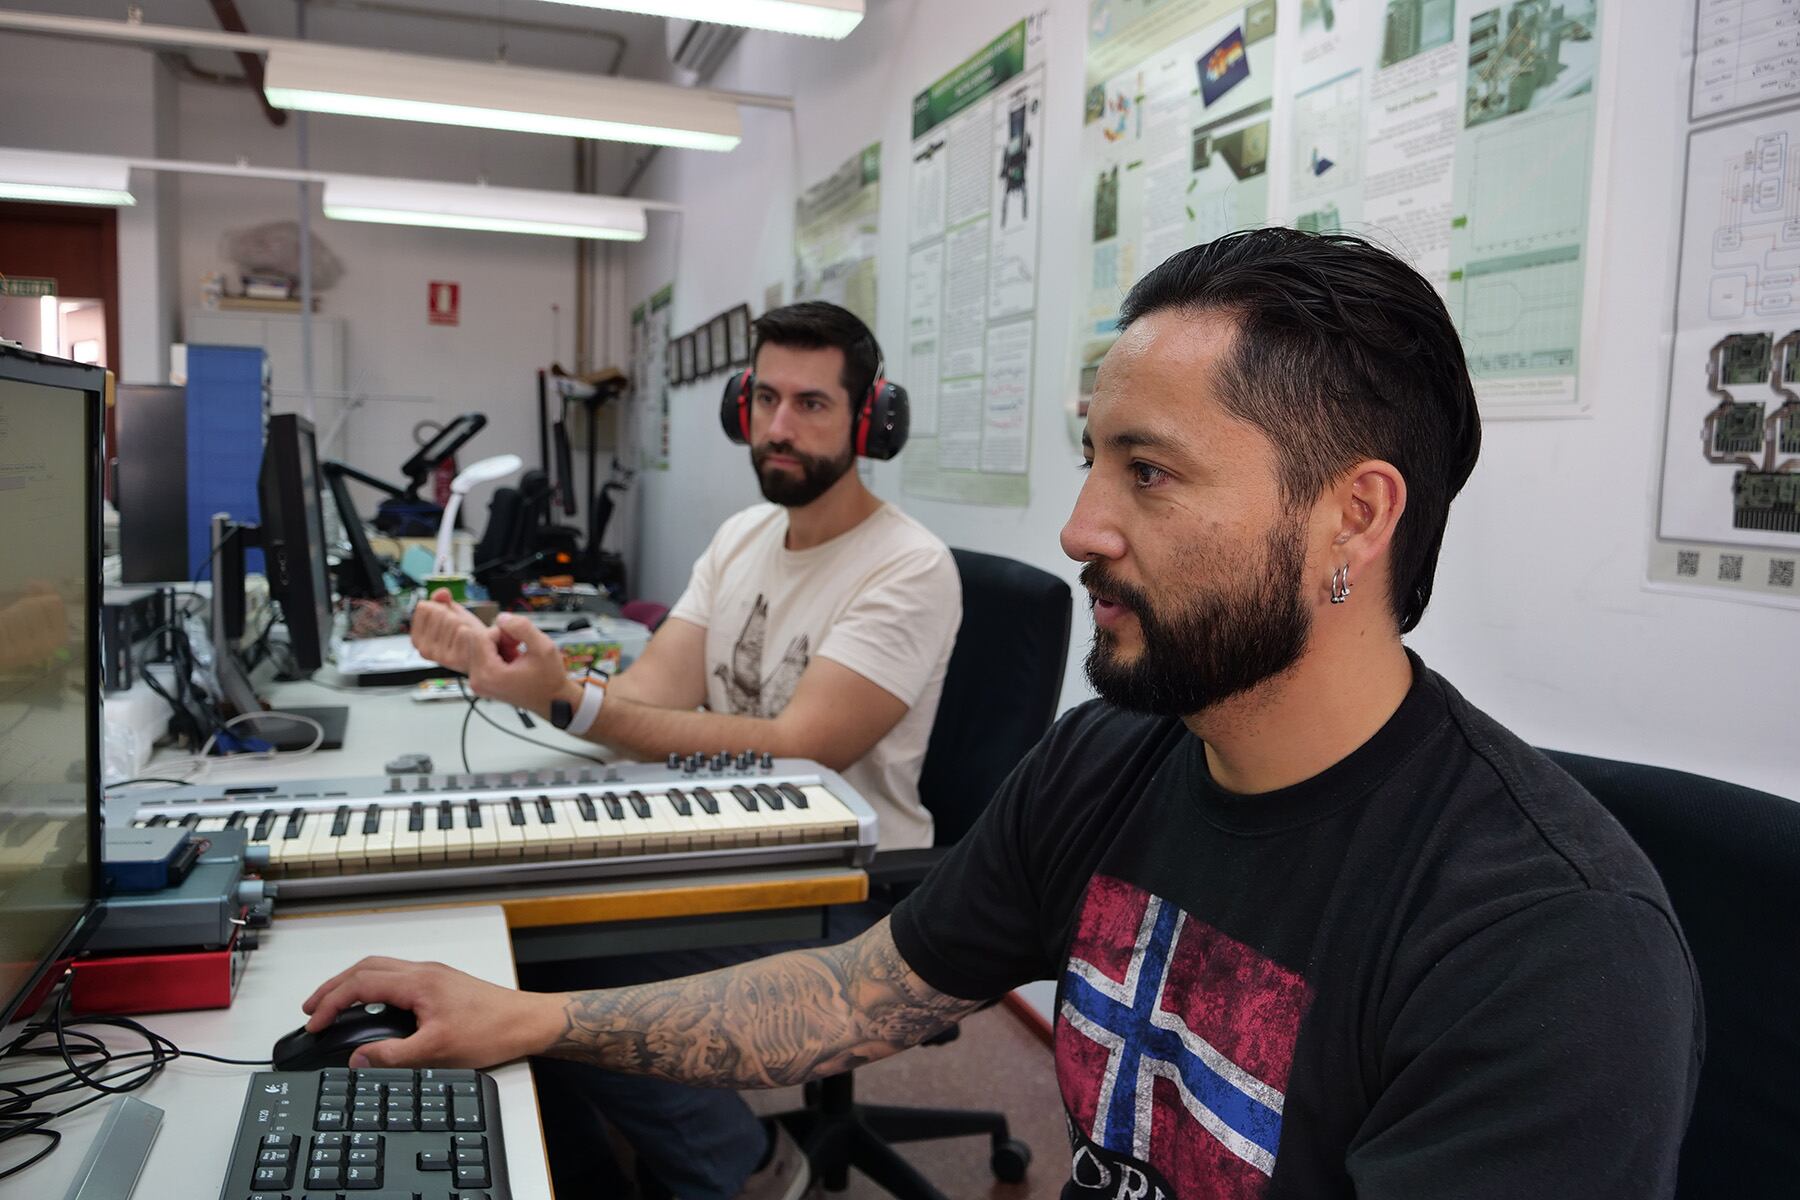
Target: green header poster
837,235
975,184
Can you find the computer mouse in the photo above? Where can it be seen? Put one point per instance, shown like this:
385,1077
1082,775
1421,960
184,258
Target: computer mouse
331,1046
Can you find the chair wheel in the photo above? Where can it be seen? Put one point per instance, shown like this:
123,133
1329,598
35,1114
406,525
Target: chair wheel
1009,1160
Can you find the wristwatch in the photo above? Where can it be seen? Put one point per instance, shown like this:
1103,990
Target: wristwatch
578,719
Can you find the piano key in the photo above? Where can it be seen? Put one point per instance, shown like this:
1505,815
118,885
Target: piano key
351,845
340,821
433,845
536,836
770,797
706,800
378,838
208,824
509,838
406,838
483,839
744,797
680,800
584,824
415,817
187,822
639,804
459,844
445,815
264,824
295,818
794,795
563,840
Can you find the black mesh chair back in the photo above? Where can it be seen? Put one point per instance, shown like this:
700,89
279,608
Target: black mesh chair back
1730,859
1001,689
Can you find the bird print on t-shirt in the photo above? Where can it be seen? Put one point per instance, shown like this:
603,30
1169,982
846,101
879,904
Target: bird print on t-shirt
747,691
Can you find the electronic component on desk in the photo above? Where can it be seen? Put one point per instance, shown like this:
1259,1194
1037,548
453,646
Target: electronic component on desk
432,1132
202,909
148,860
359,836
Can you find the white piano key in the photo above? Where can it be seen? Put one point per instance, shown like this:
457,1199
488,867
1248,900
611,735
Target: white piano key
406,838
378,847
458,844
564,842
433,845
484,839
511,837
589,834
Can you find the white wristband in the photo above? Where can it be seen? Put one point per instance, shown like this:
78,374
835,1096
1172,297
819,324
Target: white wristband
592,696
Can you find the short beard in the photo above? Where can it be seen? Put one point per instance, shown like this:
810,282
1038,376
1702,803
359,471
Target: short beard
816,477
1219,645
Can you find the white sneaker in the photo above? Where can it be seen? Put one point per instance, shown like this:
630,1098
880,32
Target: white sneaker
787,1174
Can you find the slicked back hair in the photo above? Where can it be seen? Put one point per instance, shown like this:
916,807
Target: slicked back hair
1343,353
819,325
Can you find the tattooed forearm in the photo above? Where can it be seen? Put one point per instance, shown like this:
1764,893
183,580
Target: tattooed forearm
769,1023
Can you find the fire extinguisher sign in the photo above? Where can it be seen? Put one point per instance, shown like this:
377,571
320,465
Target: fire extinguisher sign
445,303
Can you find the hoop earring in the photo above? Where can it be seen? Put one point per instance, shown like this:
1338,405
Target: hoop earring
1340,584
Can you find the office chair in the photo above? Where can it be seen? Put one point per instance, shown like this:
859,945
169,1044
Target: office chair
1730,859
1000,694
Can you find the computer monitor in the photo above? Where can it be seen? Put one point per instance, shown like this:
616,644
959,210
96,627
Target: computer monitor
292,536
150,482
360,573
50,423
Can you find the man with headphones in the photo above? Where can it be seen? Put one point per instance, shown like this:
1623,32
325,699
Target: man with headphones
817,625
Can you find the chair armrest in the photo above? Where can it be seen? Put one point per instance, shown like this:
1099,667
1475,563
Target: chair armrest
902,867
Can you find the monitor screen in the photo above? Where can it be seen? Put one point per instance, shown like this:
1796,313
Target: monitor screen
293,537
49,415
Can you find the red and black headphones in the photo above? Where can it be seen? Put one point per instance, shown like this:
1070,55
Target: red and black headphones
878,425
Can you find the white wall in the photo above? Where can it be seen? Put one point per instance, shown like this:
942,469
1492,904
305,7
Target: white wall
1539,616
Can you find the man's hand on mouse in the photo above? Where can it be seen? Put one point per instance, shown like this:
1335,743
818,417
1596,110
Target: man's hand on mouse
438,626
463,1021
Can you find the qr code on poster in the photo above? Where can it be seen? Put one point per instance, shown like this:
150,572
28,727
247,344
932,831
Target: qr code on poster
1687,562
1781,572
1731,568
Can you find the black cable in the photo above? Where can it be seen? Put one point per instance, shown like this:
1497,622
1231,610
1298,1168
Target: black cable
111,1073
475,700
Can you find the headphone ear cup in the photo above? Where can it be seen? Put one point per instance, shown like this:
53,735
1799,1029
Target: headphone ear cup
886,421
734,407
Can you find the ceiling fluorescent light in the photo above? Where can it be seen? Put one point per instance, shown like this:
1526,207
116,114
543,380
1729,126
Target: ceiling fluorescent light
407,87
474,206
53,177
814,18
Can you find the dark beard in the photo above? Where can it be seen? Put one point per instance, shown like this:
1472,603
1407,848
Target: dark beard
791,491
1219,645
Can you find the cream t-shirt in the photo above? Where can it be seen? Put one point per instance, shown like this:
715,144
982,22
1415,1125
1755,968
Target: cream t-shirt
883,599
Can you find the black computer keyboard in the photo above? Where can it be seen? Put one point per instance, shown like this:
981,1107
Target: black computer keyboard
344,1134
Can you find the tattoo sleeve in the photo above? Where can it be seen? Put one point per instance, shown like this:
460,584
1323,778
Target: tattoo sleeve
769,1023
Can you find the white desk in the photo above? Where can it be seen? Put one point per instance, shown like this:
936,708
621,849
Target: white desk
386,722
202,1100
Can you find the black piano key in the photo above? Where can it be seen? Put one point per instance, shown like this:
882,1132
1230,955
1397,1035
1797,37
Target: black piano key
546,814
707,801
189,821
515,811
264,823
614,809
794,795
371,820
152,823
682,804
586,805
296,818
415,820
639,805
445,819
340,821
744,797
770,796
237,819
474,814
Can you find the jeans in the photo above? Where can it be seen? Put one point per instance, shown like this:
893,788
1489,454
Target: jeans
700,1143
